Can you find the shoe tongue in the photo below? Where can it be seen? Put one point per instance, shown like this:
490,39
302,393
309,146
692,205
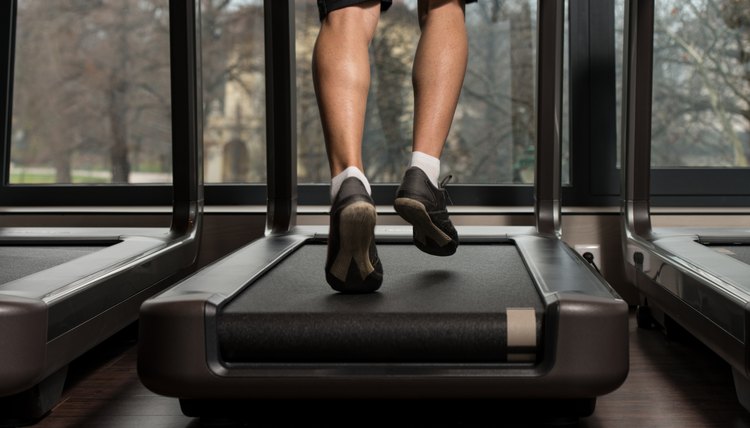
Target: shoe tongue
446,180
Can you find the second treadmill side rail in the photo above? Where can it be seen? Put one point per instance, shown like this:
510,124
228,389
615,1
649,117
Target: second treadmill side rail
703,291
37,303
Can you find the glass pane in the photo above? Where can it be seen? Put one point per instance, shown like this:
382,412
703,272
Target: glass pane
234,91
91,101
493,133
701,100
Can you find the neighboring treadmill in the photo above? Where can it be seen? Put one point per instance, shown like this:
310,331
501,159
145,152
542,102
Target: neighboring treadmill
699,278
515,313
63,291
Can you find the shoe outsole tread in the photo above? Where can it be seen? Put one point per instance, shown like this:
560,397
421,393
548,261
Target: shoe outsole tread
428,237
352,264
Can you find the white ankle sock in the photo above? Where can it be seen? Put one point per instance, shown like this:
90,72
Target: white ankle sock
429,164
352,171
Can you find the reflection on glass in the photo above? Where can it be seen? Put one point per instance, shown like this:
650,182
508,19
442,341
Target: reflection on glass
91,101
701,110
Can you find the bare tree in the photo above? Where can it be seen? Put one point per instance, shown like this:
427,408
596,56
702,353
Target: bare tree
92,78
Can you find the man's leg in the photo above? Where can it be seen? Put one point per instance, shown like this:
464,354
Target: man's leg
438,74
341,73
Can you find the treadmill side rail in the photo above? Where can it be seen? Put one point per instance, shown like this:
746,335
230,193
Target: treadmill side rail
239,268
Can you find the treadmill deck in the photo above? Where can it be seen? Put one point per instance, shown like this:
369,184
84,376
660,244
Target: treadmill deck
429,309
19,261
739,252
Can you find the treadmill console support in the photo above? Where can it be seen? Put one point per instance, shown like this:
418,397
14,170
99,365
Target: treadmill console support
549,117
281,116
187,109
636,119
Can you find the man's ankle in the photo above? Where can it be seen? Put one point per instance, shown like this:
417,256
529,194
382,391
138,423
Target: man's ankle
429,164
351,171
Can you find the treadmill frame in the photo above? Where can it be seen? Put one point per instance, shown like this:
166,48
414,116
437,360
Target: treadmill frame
704,291
178,354
51,317
179,350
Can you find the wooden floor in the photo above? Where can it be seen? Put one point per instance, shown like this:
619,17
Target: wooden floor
676,383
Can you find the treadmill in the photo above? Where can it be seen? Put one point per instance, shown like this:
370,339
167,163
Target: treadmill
64,290
514,314
698,278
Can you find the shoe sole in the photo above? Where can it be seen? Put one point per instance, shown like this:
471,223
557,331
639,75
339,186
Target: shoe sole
416,214
356,231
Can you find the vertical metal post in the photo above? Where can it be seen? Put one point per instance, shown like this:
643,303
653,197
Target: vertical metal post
187,114
636,115
281,116
549,116
7,50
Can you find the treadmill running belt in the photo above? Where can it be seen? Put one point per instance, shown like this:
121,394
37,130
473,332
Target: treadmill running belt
429,309
739,252
18,261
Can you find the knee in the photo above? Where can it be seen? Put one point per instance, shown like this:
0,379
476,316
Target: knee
361,19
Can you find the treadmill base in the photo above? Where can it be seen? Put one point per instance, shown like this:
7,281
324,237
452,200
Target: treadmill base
742,386
27,407
384,412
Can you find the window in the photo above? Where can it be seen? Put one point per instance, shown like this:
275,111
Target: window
490,149
91,93
701,96
493,133
233,91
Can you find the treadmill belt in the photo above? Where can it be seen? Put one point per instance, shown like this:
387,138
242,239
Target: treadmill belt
18,261
739,252
429,309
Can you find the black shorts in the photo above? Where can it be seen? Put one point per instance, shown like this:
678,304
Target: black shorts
326,6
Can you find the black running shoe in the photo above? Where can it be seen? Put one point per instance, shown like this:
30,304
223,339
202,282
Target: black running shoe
424,206
352,265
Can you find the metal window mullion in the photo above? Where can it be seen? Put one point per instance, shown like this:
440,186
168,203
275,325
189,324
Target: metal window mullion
602,100
7,61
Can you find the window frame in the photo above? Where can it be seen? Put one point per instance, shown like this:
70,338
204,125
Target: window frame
592,137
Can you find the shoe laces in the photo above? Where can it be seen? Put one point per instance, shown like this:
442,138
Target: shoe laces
442,187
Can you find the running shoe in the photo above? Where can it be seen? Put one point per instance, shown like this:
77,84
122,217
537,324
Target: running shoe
352,263
424,206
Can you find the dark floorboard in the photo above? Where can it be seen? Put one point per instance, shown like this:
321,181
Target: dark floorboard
677,383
